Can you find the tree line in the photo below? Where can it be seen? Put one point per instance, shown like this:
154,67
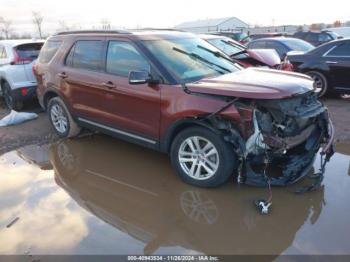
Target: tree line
6,27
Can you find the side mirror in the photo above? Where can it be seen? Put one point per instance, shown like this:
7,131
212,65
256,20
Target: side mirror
142,77
138,77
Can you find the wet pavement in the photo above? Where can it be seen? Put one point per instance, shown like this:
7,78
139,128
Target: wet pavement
99,195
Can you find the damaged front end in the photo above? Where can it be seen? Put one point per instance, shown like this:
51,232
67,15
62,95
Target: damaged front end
288,134
283,138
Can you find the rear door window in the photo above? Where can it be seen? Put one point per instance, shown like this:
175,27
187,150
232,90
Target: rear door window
122,58
48,51
86,54
311,37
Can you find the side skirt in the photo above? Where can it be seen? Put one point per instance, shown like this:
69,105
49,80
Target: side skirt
118,133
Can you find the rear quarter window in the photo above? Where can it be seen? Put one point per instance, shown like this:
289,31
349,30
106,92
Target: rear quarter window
49,50
341,50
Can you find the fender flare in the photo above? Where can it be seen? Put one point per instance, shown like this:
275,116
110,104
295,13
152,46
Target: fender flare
180,125
3,79
54,91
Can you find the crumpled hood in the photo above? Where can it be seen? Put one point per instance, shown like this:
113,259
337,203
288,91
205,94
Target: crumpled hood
255,83
267,56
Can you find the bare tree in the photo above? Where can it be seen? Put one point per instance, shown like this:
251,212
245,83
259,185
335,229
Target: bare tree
337,23
6,27
37,21
315,27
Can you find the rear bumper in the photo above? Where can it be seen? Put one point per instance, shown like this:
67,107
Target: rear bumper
20,95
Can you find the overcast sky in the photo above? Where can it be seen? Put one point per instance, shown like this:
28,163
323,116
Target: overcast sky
164,13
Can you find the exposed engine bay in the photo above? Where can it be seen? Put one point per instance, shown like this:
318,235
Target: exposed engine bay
284,134
287,134
276,133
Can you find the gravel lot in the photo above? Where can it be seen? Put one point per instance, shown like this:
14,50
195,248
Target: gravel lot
39,131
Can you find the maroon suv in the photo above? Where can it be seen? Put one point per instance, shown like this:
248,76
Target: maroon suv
176,93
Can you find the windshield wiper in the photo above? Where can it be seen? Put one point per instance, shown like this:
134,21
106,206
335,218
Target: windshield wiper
216,53
234,54
198,57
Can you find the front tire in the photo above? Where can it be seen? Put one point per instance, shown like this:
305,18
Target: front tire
10,101
61,120
320,82
202,158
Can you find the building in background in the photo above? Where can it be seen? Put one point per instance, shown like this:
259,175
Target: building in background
288,29
213,25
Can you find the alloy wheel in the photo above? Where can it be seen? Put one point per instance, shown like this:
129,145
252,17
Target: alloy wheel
320,83
59,119
198,207
198,158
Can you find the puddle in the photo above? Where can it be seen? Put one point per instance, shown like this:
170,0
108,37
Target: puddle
104,196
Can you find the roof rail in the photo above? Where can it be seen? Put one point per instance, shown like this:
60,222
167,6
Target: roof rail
93,32
157,29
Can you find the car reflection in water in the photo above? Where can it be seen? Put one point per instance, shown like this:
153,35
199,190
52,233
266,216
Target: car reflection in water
136,191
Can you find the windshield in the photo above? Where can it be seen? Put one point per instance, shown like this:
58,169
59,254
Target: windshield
240,36
191,59
333,34
298,45
226,46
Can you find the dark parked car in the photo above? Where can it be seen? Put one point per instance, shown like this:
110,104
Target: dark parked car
265,35
317,38
247,57
283,45
328,65
174,92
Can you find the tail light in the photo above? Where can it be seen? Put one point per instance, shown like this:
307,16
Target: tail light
34,68
20,60
286,65
24,91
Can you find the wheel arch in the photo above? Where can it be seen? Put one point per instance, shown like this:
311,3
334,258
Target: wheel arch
49,94
2,81
323,72
181,125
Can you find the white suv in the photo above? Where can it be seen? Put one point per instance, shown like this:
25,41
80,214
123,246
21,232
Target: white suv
17,80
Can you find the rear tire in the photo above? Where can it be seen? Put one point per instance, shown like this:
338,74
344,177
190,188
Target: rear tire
10,101
202,158
320,82
61,120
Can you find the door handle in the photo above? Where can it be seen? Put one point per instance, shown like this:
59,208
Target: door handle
109,84
331,62
62,75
